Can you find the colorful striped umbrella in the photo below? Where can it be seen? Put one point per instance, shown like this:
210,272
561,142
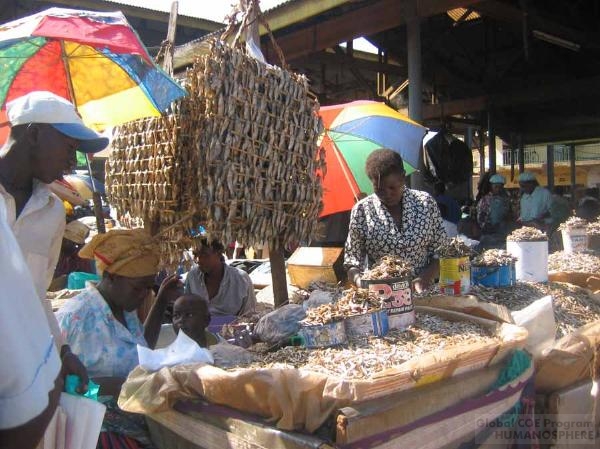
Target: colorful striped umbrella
94,59
352,132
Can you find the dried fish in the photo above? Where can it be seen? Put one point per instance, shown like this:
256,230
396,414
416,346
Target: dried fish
453,248
527,234
390,267
593,228
573,223
582,263
493,258
366,356
573,305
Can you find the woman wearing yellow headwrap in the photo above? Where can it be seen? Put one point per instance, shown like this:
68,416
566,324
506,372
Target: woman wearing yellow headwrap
100,323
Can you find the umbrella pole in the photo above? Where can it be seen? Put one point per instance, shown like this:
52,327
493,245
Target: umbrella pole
96,198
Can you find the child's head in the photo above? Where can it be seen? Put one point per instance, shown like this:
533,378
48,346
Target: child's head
190,314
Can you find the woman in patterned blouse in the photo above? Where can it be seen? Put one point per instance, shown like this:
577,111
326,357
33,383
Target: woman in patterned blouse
394,221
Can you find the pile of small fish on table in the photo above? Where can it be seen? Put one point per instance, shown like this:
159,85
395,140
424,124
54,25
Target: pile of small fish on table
364,357
573,223
573,306
568,262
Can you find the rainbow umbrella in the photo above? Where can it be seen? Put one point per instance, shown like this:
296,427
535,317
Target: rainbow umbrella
352,132
94,59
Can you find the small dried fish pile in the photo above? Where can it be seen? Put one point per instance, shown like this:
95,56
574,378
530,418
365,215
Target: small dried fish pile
582,262
593,228
527,234
365,357
573,305
354,301
493,258
237,155
573,223
453,249
389,267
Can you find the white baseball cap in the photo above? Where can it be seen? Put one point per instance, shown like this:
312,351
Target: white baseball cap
46,107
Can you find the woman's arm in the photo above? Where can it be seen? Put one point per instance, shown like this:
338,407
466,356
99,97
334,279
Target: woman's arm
169,290
427,276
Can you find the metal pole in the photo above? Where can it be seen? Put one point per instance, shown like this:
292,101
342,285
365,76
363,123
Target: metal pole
550,166
572,162
491,143
521,145
415,102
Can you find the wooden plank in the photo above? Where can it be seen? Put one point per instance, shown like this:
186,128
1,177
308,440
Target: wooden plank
212,430
377,416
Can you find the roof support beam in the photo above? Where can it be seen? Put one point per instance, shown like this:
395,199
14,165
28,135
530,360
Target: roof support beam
341,59
372,18
540,94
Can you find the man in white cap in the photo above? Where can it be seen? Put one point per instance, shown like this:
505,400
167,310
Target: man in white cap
45,132
535,202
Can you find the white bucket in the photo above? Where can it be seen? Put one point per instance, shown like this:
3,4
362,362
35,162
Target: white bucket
532,260
574,240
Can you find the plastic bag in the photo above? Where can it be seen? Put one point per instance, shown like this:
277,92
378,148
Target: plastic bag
280,324
182,350
228,356
538,319
317,298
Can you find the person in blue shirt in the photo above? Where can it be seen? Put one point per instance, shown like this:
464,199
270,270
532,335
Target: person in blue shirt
451,204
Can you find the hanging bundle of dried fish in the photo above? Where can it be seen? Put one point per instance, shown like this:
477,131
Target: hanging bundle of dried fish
582,262
527,234
573,305
237,155
573,223
365,357
389,267
453,248
493,258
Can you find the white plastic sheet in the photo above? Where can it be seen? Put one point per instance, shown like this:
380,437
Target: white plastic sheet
538,319
182,350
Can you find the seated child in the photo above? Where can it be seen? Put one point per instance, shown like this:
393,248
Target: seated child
191,315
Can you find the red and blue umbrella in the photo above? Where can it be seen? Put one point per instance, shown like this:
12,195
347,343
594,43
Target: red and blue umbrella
352,132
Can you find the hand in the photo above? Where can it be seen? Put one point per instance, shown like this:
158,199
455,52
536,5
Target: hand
354,276
170,289
421,284
72,365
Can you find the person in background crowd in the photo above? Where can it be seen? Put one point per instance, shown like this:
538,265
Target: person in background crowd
45,132
493,214
229,290
589,210
483,186
102,327
30,378
560,209
191,315
394,221
535,202
451,204
451,229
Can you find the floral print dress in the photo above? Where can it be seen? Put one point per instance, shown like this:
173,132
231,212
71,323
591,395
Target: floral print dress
373,233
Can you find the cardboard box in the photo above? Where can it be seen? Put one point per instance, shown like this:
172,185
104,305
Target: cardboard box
310,264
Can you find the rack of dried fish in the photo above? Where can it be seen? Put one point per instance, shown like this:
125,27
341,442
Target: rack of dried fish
238,155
